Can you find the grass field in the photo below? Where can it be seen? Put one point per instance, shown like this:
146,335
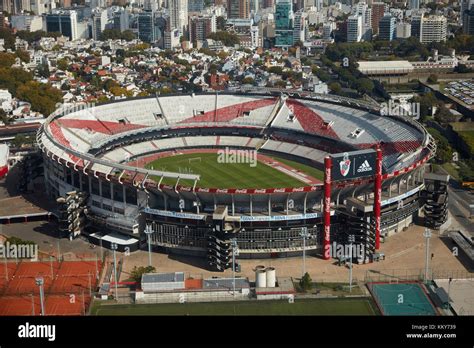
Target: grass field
229,175
312,171
299,307
468,137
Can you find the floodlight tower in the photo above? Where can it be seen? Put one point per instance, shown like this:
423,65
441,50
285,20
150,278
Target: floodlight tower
304,234
40,282
351,240
148,232
235,252
427,235
114,247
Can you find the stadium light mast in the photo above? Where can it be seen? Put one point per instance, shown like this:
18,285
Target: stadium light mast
235,252
148,232
351,240
40,282
304,234
427,235
114,247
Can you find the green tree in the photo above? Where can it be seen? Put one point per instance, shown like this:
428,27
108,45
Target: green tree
6,59
275,70
433,78
62,64
4,118
110,84
248,81
9,38
137,272
12,78
306,283
466,170
115,34
427,102
23,55
444,152
43,71
364,86
444,116
228,39
335,87
119,91
43,97
32,36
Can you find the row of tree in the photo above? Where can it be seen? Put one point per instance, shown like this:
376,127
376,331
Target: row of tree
43,97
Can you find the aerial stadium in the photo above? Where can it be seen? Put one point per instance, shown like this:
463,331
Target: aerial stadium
268,172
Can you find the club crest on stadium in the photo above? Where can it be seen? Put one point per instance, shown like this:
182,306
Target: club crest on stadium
345,165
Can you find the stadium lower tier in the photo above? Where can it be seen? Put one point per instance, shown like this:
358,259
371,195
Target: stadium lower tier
280,224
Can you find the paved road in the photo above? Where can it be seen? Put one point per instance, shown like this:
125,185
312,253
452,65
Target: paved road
45,234
457,206
459,200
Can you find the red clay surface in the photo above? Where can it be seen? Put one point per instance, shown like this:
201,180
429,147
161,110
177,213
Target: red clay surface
54,304
67,289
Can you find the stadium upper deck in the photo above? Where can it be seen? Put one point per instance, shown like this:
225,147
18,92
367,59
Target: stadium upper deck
89,137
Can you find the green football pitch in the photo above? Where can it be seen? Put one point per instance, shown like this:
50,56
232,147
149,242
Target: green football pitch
299,307
230,175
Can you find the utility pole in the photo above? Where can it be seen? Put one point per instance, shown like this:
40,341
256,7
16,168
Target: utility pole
114,247
304,234
40,283
148,232
351,240
427,235
235,252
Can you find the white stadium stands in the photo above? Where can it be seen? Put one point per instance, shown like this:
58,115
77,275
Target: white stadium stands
103,150
124,125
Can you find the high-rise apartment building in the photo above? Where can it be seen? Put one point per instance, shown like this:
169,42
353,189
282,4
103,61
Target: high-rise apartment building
468,21
387,27
354,28
98,22
429,29
378,11
284,23
200,27
63,21
147,31
238,9
178,10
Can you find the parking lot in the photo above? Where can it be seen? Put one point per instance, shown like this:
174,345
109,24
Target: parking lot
462,90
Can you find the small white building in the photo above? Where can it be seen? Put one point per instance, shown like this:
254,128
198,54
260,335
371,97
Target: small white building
5,96
154,282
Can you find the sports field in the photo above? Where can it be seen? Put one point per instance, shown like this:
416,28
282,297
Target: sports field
299,307
401,299
67,287
214,173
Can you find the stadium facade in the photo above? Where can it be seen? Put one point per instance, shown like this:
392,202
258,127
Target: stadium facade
100,152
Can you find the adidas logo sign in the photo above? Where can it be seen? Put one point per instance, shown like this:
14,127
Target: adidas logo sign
364,167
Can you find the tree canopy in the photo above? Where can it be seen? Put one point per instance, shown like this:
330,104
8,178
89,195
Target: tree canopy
43,97
115,34
228,39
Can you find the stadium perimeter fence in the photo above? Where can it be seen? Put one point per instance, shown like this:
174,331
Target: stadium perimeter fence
414,275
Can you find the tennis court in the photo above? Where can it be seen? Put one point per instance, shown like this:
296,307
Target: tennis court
67,286
402,299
